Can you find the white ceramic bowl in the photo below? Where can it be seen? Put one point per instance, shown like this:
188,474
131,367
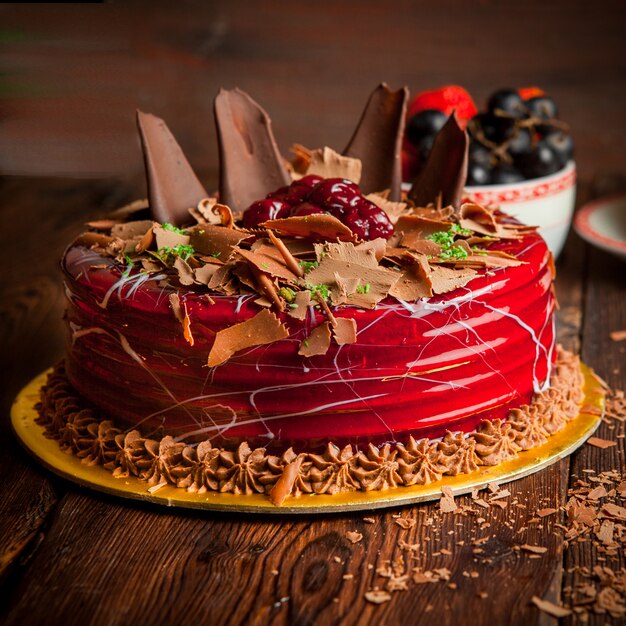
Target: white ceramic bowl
603,224
547,202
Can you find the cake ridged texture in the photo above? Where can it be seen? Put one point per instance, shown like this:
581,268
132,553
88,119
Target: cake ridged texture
420,368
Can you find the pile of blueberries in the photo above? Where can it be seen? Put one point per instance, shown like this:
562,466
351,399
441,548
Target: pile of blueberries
515,139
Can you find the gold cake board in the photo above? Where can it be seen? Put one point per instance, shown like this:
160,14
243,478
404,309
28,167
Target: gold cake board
48,453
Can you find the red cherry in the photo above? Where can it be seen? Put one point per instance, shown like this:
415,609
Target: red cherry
262,210
306,208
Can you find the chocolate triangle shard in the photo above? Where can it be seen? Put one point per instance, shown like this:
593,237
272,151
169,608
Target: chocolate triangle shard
250,164
377,140
173,188
445,171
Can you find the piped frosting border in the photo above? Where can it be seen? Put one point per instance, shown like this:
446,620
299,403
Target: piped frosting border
201,467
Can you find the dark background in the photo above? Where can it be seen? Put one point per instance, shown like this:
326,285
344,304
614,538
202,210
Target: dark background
72,75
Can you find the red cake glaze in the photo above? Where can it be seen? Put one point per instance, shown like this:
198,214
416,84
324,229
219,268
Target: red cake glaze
420,368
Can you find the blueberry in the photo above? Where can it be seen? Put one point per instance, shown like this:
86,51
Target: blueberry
495,129
479,154
426,123
505,174
542,107
520,142
478,174
508,101
542,160
562,144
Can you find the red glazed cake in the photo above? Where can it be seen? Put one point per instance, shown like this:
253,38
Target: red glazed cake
311,336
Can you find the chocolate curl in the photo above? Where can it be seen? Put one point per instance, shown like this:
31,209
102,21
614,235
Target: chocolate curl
250,164
377,141
173,188
445,171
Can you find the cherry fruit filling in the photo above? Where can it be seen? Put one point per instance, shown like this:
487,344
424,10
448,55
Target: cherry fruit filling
338,197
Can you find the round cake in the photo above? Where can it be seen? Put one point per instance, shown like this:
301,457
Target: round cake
303,334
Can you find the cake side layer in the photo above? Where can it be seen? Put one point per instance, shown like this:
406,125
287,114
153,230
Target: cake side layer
242,470
491,343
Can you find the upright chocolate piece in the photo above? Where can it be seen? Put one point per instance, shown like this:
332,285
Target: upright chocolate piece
250,164
173,188
377,140
445,171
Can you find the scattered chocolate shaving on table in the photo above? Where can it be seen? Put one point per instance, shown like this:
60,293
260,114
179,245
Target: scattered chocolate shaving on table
550,608
618,335
354,536
601,443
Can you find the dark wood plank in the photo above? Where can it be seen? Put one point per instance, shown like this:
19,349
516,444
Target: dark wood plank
37,219
119,563
605,310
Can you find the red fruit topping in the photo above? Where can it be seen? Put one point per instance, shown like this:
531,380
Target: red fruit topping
262,210
526,93
445,99
339,197
306,208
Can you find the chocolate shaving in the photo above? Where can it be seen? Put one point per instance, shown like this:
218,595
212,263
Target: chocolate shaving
318,227
283,486
216,241
601,443
377,140
186,275
173,188
261,329
317,342
550,608
298,309
445,279
445,171
393,209
376,281
267,264
131,230
210,211
344,331
415,281
250,164
168,238
327,163
180,312
290,260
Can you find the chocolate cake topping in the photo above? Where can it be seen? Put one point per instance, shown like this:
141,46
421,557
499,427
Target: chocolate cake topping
446,168
377,140
173,188
250,164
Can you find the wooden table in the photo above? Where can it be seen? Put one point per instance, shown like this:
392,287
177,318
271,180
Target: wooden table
72,556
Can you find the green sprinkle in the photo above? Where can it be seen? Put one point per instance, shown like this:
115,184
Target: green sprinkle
363,288
445,239
307,266
167,254
322,289
172,228
454,253
457,230
129,266
288,294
